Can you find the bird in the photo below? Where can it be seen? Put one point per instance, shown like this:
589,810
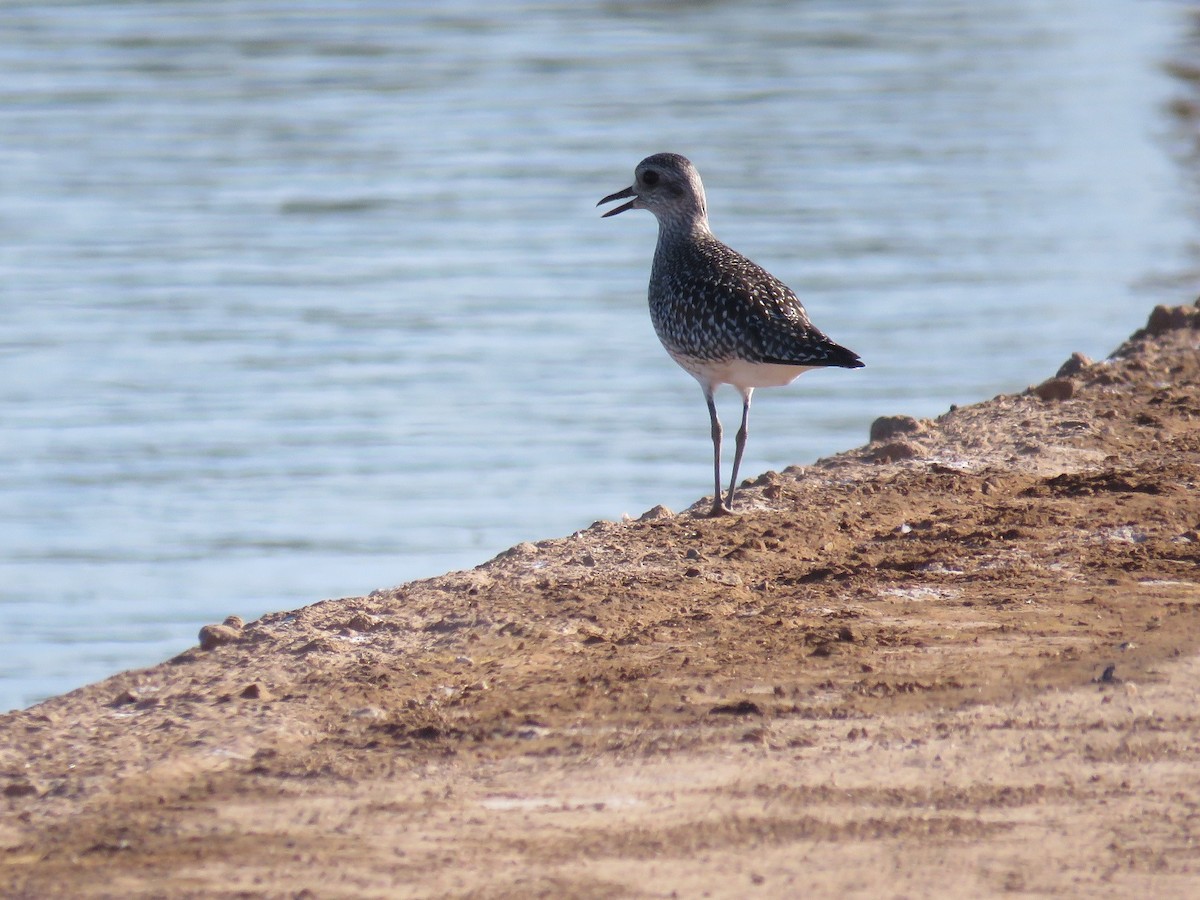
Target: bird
723,318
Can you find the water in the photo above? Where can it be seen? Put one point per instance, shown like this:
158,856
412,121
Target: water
300,300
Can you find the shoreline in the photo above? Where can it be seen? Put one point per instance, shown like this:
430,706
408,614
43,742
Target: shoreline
966,647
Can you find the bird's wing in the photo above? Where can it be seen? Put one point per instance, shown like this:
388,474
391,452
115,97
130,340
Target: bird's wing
776,325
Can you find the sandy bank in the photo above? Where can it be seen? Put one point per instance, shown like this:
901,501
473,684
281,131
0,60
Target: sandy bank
960,660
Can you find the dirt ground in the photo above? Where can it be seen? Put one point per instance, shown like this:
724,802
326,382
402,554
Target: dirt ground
959,661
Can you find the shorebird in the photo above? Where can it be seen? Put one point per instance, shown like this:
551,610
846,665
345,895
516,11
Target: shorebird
720,316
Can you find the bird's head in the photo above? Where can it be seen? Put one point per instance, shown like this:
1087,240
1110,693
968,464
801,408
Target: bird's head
669,186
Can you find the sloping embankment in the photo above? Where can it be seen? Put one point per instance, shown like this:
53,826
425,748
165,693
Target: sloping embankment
958,661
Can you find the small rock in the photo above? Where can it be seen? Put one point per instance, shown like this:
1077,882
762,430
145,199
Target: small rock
656,512
886,427
234,622
741,708
1169,318
364,622
255,692
22,787
316,645
761,735
894,452
213,636
1073,366
1055,389
525,548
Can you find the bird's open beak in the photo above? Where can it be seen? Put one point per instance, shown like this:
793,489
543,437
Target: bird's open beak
619,195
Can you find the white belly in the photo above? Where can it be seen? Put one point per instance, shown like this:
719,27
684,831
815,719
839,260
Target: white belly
742,374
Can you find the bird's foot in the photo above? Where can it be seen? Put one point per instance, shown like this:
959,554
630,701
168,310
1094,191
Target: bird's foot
720,509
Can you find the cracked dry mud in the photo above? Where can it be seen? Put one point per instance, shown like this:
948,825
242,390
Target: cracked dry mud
959,661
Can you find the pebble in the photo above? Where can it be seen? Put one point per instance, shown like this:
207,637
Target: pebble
364,622
895,451
1073,366
255,692
22,787
886,427
213,636
1055,389
1169,318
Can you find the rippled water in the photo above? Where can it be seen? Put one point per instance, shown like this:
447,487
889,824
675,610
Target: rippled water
300,300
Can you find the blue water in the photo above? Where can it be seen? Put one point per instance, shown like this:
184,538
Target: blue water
299,300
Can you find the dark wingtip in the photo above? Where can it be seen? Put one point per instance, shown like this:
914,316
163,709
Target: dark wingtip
847,359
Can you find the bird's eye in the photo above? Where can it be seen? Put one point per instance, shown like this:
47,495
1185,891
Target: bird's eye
650,179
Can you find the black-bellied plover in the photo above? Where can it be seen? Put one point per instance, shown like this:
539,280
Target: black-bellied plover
723,318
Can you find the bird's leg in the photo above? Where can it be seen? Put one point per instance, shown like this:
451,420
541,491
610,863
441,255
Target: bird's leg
718,507
741,443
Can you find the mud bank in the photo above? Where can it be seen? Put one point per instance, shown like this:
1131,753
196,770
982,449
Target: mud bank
960,660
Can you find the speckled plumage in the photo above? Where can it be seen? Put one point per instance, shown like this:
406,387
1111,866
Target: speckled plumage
722,317
710,303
